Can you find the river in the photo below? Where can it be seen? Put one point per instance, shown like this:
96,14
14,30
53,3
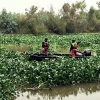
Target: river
89,91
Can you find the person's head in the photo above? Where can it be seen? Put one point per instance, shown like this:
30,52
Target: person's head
46,39
73,41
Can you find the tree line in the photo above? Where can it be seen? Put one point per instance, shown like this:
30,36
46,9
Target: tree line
71,18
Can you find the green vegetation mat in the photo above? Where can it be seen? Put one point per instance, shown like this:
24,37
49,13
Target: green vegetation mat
16,71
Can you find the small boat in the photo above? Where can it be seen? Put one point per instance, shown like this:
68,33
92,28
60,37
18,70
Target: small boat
40,57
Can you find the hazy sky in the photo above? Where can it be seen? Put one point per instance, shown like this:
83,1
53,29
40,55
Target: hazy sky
19,6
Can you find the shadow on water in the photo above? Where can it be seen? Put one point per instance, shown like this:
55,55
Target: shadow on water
72,92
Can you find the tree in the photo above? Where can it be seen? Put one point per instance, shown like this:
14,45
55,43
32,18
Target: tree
7,22
94,20
75,16
34,22
21,20
55,24
98,4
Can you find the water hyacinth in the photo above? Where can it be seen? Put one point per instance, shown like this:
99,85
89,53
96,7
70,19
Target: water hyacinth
17,71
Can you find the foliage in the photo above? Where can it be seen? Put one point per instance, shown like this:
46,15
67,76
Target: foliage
7,22
75,17
17,71
71,18
55,24
34,22
21,19
94,19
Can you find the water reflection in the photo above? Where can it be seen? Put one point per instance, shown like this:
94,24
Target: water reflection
61,93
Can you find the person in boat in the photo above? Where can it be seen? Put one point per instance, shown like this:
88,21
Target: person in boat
45,46
73,48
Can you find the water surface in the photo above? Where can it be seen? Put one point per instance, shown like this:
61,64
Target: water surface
72,92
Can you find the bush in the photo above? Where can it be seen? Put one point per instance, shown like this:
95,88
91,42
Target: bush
55,24
7,22
36,27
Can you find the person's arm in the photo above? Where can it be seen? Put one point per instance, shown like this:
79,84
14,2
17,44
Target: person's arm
78,42
48,45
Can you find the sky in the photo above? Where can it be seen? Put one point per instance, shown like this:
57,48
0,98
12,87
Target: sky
19,6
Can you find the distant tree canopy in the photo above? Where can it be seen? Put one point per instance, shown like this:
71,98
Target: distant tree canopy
72,18
7,22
